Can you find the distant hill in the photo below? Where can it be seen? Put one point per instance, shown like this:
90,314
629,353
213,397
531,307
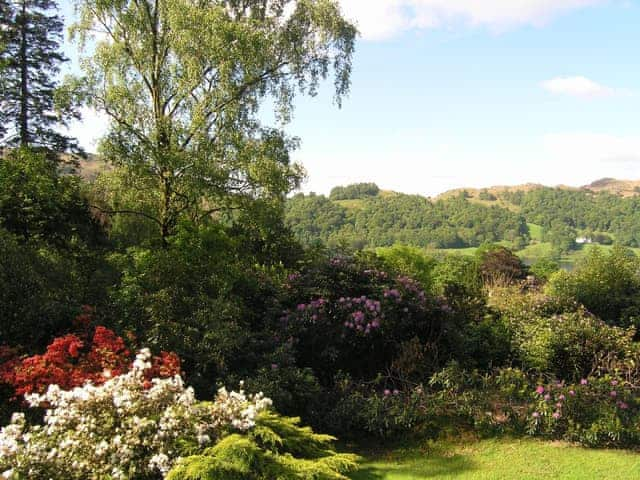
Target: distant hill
519,216
626,188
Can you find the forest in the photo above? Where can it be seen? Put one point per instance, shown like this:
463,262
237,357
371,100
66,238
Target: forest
183,316
363,216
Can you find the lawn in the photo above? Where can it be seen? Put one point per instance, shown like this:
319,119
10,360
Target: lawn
494,459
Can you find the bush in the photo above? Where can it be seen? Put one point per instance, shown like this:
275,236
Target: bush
121,429
607,284
276,448
597,411
345,314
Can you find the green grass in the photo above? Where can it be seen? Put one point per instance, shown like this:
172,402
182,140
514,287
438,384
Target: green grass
521,459
352,204
535,232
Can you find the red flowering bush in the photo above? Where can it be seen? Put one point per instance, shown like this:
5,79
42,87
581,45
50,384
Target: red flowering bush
77,358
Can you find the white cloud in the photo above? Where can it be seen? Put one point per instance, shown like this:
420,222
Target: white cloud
578,87
381,19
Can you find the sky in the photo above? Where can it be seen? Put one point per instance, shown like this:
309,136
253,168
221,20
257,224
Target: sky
472,93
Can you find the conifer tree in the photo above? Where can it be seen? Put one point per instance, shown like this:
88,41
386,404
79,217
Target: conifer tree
31,58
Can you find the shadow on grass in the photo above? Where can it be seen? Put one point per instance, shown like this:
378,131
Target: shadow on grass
432,462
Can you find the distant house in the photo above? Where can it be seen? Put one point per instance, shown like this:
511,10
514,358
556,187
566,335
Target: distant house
583,240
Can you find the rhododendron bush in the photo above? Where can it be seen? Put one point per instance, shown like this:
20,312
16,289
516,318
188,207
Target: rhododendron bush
74,359
122,428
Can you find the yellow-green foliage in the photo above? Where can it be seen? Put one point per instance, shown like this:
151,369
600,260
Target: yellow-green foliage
278,448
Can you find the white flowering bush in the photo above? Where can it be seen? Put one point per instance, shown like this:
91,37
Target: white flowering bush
122,429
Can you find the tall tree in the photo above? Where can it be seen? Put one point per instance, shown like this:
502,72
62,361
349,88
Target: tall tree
183,81
32,34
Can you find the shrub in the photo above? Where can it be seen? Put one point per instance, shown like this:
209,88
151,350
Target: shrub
74,359
347,315
596,411
120,429
277,448
607,284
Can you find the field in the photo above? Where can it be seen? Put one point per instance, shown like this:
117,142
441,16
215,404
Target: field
498,459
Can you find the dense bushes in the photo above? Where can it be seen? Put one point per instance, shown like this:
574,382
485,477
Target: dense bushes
608,284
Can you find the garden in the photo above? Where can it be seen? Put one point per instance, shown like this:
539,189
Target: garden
160,320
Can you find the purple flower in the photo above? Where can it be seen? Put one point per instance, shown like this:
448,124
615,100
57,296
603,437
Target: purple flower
387,392
623,405
274,366
301,307
614,382
547,397
584,381
559,404
572,393
535,414
613,393
556,415
540,390
396,392
562,398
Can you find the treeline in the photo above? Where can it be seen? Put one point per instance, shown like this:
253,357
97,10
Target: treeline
460,221
581,210
409,219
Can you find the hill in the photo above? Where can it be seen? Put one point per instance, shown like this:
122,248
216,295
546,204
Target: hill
532,218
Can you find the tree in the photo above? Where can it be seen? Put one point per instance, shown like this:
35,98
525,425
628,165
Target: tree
183,96
28,101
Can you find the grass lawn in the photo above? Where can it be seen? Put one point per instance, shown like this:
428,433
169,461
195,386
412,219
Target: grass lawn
491,459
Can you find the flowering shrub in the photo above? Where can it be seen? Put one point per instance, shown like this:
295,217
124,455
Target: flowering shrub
346,314
596,411
120,429
74,359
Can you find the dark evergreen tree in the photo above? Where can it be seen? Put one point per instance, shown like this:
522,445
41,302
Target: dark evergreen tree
32,34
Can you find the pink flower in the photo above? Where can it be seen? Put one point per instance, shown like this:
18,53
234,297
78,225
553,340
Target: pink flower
562,398
540,390
547,397
583,381
387,392
556,415
535,414
613,393
572,393
623,405
614,382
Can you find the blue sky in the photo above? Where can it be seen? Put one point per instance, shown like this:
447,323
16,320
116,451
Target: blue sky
450,93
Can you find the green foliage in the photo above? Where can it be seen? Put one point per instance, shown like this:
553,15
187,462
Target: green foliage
39,204
185,299
277,448
608,284
31,57
568,345
543,268
354,191
405,219
409,261
184,96
598,411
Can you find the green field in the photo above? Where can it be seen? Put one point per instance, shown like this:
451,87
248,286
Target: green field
522,459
